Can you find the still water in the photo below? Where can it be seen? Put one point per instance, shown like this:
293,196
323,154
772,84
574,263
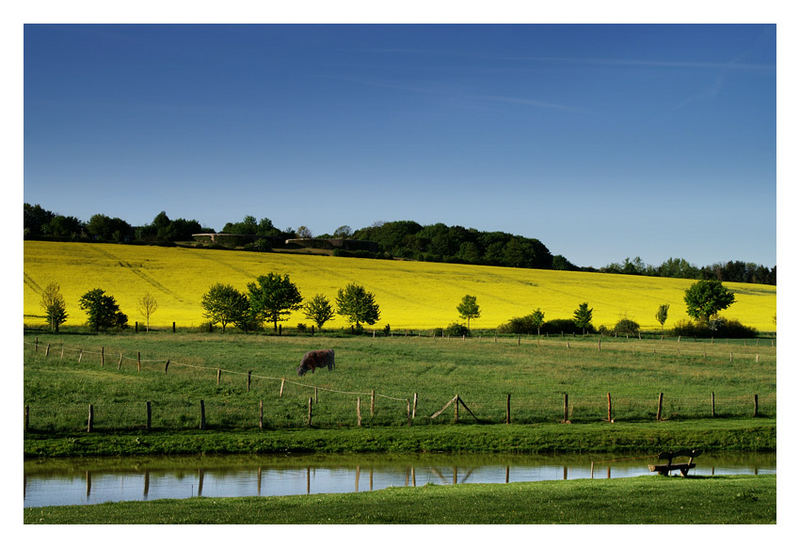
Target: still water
57,482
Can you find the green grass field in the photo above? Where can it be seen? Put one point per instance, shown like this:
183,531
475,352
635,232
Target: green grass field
482,372
718,500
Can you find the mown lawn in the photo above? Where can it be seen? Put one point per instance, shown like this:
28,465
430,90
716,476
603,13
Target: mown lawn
717,500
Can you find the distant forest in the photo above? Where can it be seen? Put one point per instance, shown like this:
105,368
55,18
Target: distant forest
397,239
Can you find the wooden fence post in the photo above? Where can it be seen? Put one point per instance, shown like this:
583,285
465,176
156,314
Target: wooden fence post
755,405
149,415
372,403
566,409
508,408
608,397
414,409
219,375
102,356
80,355
138,362
173,327
248,380
202,415
27,418
756,354
166,366
408,412
62,352
136,327
119,363
283,382
660,403
358,410
36,344
713,405
90,423
310,410
47,351
261,414
456,400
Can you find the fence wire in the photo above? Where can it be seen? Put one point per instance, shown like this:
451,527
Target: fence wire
278,402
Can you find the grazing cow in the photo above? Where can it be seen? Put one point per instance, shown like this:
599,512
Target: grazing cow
314,359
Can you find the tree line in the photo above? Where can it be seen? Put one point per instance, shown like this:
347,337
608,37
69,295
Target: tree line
271,298
268,300
730,271
397,239
704,300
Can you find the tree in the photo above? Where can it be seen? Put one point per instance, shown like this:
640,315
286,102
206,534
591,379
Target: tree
303,232
55,308
318,310
537,320
468,308
147,307
104,228
357,305
343,231
273,297
224,304
102,310
583,316
707,297
661,314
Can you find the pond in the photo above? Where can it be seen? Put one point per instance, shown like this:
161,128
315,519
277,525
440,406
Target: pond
56,482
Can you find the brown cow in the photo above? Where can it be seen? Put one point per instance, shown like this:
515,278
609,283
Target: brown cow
314,359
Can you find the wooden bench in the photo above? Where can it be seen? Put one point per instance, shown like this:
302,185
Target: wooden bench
665,469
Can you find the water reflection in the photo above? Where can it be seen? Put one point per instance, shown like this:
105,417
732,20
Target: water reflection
90,481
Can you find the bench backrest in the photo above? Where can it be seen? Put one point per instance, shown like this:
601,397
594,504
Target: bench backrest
669,455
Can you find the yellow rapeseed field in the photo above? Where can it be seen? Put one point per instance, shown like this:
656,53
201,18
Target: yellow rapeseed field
410,294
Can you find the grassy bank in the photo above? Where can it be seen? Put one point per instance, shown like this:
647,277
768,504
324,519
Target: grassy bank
717,500
645,437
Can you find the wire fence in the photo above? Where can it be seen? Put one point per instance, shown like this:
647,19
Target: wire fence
270,402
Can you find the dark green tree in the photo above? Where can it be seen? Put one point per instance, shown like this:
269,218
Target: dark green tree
318,310
583,316
537,320
273,297
357,305
707,297
102,310
343,231
54,306
661,314
225,304
468,308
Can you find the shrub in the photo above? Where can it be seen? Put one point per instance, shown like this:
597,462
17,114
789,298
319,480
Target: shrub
720,328
556,327
626,327
302,328
523,325
457,330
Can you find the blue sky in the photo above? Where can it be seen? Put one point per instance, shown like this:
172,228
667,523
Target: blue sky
602,141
